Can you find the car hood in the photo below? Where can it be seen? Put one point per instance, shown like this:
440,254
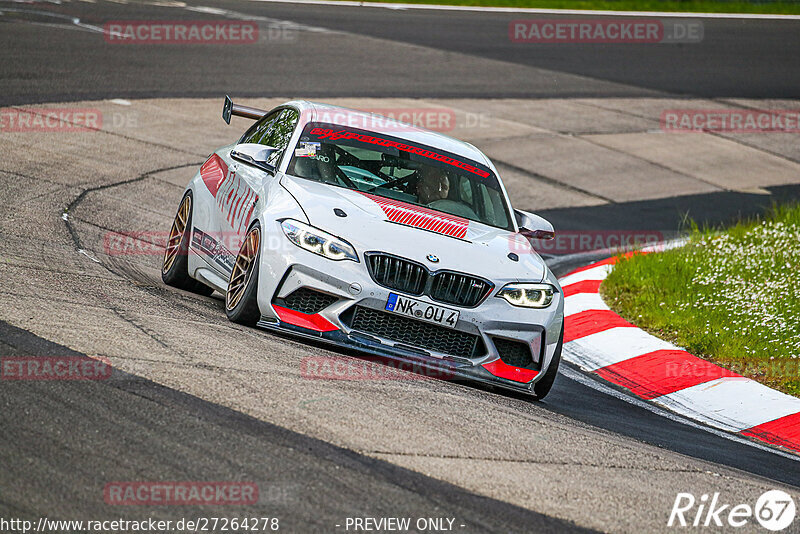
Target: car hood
480,249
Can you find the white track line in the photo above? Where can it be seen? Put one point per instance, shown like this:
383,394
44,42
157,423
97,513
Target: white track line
583,301
731,403
537,11
595,273
577,376
612,346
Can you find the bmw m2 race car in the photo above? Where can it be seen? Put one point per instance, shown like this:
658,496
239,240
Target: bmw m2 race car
369,233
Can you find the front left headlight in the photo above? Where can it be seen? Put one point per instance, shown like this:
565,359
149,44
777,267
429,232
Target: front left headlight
528,295
318,241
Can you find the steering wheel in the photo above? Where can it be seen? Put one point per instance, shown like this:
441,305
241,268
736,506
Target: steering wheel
392,183
453,208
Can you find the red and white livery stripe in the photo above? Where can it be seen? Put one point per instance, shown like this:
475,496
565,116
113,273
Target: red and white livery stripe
213,172
600,341
234,198
419,217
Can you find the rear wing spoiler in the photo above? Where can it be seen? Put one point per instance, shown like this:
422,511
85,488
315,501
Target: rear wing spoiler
229,108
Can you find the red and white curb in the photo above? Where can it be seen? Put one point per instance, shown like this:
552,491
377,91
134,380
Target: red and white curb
601,342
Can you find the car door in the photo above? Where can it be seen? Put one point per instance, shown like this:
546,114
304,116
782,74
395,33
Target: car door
239,193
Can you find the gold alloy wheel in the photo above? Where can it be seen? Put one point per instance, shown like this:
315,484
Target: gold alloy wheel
176,233
243,268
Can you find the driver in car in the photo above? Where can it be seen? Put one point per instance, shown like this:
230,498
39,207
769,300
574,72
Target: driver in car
432,185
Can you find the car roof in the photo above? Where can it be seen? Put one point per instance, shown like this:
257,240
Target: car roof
374,122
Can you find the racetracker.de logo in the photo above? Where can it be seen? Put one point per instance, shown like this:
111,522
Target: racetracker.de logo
180,493
153,243
54,368
373,368
599,31
180,32
575,241
730,121
50,119
398,119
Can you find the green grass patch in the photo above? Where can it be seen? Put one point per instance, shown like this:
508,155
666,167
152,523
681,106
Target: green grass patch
693,6
731,297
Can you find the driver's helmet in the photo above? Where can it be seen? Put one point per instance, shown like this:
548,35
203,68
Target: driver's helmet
432,184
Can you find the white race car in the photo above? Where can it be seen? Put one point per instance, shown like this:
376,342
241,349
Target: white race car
369,233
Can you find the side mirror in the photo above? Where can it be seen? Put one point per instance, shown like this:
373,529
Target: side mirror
532,226
255,155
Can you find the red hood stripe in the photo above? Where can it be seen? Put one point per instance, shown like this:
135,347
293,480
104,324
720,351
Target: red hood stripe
419,217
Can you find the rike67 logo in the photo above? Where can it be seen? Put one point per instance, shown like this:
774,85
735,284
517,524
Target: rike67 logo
774,510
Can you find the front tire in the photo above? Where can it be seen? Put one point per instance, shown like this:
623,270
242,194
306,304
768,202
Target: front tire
241,304
542,387
175,266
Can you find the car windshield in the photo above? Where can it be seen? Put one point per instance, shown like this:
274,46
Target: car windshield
400,170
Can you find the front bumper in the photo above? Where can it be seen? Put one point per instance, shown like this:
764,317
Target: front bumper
350,283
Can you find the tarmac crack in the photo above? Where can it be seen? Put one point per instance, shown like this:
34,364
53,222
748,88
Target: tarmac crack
77,200
122,315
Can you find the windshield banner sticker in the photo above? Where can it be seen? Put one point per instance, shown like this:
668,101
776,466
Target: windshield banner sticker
335,135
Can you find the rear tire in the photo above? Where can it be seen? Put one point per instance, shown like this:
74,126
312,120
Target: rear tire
175,266
241,304
542,387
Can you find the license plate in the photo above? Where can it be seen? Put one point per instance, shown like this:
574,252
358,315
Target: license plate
422,311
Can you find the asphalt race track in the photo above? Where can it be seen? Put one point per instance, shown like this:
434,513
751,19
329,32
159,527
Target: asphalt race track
377,52
194,397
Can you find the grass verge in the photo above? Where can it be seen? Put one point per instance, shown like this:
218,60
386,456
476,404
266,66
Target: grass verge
692,6
730,297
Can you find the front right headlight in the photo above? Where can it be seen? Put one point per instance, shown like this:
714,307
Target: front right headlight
318,241
528,294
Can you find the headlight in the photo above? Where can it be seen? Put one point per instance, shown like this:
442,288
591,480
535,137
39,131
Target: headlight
319,242
528,295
